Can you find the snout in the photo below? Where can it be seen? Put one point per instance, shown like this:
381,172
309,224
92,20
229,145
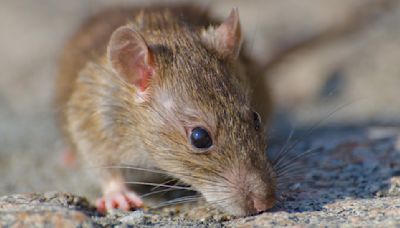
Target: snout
258,195
259,204
243,193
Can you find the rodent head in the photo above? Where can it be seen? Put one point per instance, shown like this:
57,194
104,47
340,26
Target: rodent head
197,121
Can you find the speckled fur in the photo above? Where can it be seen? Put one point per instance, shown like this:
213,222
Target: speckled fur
194,85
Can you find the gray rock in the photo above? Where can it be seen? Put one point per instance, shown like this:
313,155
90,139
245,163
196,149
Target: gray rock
45,210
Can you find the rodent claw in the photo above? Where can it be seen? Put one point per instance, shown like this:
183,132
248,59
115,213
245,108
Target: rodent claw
123,200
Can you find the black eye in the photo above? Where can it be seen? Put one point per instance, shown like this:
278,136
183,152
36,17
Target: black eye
257,121
200,138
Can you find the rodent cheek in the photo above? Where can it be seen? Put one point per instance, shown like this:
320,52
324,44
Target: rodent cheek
227,201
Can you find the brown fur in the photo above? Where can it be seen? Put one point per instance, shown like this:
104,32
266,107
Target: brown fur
195,85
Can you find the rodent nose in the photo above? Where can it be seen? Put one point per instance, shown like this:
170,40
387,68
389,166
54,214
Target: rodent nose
262,204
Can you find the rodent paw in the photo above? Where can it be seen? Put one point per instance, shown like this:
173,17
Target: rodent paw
123,200
68,159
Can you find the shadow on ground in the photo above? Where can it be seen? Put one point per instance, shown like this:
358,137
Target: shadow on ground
348,162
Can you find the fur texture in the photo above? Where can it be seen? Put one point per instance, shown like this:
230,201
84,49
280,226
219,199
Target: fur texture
195,83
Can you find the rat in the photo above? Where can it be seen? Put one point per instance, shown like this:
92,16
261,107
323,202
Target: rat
168,89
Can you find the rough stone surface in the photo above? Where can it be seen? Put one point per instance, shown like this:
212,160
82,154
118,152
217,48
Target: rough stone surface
352,179
45,210
347,79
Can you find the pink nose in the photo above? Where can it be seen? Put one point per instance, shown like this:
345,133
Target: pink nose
263,204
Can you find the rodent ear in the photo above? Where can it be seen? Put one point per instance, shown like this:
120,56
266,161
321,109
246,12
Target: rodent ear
130,57
227,37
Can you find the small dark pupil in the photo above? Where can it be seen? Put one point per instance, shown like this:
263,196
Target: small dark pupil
200,138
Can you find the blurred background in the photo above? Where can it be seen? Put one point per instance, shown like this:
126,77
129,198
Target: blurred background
336,61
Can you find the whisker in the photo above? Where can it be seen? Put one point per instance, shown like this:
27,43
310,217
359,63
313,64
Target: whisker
215,202
290,179
173,203
290,169
297,156
179,200
287,143
294,160
174,189
161,185
285,168
295,173
123,166
169,173
311,130
156,192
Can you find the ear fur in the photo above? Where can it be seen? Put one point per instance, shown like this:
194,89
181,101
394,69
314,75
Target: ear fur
226,39
130,57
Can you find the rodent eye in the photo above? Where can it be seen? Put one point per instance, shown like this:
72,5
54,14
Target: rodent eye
200,138
257,121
